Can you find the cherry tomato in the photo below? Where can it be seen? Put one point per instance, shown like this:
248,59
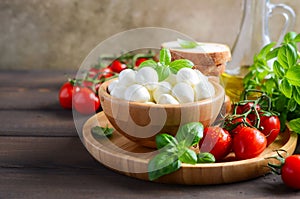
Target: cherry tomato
139,61
246,107
217,141
290,171
234,125
65,95
270,127
249,143
105,73
85,101
117,66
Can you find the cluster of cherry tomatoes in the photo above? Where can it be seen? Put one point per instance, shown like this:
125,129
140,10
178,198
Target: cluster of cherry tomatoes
247,131
82,94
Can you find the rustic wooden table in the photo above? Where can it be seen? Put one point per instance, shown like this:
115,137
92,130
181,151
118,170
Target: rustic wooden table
41,155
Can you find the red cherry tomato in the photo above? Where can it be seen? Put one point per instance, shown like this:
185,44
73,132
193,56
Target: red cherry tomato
246,107
290,171
117,66
270,127
139,61
249,143
217,141
105,73
65,95
85,101
234,125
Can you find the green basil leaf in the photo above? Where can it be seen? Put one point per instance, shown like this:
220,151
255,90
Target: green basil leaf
163,140
289,37
187,44
292,104
205,157
164,56
297,39
178,64
272,54
278,69
287,56
286,88
162,164
296,97
98,131
295,125
265,51
163,72
188,156
148,63
293,75
190,134
270,85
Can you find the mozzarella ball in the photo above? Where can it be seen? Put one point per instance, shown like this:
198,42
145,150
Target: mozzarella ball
203,90
112,85
201,76
148,77
127,77
187,75
183,92
137,93
171,79
162,88
118,91
167,99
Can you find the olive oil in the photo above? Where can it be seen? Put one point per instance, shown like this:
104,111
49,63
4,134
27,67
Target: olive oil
233,83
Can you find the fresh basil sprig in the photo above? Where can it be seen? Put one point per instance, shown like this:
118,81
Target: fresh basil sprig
176,150
101,132
281,80
165,65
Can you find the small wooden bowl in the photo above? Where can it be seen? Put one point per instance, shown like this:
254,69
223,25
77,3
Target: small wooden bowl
140,122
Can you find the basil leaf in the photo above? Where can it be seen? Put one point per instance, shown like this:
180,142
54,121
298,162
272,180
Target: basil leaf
296,96
178,64
286,88
99,131
163,72
187,44
188,156
148,63
272,54
293,75
164,56
163,140
295,125
265,51
297,39
278,69
190,133
289,37
162,164
287,56
292,104
205,157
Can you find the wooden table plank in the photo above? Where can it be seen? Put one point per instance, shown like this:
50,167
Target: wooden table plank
87,183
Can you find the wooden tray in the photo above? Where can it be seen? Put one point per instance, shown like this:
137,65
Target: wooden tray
126,157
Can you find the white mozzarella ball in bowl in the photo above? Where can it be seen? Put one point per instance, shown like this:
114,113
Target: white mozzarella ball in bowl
187,75
183,92
162,88
167,99
147,77
137,93
171,79
112,85
204,90
127,77
118,91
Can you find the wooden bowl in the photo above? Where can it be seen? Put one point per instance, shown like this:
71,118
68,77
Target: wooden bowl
140,122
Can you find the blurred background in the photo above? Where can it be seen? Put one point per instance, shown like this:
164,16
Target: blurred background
59,34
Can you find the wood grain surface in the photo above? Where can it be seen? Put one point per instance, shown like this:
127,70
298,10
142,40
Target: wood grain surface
41,155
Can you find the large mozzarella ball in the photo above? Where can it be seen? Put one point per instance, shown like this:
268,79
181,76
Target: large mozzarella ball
118,91
183,92
171,79
187,75
127,77
167,99
148,77
203,90
137,93
162,88
112,85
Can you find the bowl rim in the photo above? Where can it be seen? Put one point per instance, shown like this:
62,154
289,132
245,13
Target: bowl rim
103,92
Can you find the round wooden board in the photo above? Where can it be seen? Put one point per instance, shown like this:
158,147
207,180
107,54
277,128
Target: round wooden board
124,156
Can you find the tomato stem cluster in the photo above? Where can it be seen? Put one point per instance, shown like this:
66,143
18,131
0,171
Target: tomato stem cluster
276,168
